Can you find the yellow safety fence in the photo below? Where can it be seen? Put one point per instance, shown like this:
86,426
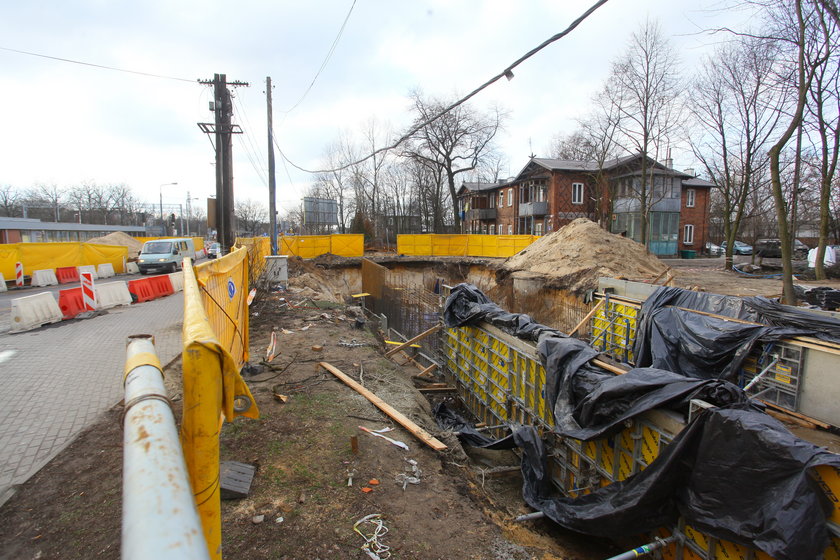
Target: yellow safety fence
42,256
467,245
198,242
215,338
258,249
311,246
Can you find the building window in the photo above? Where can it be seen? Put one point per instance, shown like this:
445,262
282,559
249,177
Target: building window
688,234
501,198
510,197
492,229
510,226
492,201
538,228
577,193
689,198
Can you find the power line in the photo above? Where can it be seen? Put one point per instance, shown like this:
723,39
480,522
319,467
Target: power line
256,166
249,135
506,73
91,64
326,60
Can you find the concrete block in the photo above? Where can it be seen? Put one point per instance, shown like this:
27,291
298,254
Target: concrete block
105,270
277,268
177,279
132,268
44,277
3,287
112,294
88,268
30,312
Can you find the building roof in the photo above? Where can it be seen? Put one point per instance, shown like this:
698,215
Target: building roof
468,186
37,225
697,182
591,166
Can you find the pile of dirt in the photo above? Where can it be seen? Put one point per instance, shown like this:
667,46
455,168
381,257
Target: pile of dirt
576,255
119,238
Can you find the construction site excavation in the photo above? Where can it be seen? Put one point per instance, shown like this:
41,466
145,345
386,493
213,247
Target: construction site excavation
580,399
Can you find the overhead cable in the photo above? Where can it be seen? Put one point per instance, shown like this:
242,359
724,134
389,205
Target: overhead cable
102,66
506,73
326,60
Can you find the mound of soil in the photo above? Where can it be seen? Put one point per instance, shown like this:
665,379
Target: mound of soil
576,255
119,238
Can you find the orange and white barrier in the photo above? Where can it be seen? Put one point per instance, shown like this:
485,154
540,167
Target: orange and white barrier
30,312
88,295
112,294
105,270
177,279
88,268
44,277
19,274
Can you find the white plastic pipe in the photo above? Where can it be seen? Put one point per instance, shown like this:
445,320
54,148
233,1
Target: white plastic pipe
159,518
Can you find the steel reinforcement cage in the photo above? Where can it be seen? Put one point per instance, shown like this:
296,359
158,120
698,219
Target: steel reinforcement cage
500,380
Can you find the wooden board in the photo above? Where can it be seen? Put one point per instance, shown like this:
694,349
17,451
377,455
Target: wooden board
389,410
408,343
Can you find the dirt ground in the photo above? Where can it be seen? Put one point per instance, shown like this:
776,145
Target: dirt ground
302,450
72,507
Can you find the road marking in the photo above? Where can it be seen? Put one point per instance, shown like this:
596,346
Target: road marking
6,355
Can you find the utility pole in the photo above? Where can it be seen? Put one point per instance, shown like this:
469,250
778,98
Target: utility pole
272,210
223,130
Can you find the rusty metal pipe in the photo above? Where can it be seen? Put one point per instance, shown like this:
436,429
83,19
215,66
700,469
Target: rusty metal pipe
159,517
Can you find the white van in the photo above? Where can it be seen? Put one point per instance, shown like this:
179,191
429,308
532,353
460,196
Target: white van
165,255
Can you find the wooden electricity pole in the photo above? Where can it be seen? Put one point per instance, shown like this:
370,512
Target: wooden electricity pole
272,209
223,131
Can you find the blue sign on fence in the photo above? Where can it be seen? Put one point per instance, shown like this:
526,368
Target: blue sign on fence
231,289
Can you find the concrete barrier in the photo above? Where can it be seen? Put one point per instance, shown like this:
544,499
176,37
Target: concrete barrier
132,268
3,287
105,270
112,294
44,277
30,312
88,268
177,279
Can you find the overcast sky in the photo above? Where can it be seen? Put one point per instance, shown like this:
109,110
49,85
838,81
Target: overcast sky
66,123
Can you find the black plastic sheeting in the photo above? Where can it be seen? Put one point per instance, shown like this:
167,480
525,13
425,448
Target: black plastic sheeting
706,347
448,419
734,473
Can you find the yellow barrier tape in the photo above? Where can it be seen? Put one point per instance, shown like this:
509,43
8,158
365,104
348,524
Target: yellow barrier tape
141,359
211,384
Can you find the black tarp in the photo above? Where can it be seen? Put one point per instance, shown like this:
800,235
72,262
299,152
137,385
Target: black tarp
735,473
448,419
696,345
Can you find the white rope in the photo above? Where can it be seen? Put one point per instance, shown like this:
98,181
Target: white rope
372,547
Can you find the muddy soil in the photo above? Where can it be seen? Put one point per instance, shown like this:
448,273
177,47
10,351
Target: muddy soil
303,453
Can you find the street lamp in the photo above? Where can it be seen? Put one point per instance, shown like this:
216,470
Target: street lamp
161,197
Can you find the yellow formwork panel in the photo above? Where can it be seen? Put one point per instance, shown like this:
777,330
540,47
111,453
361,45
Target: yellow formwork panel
347,244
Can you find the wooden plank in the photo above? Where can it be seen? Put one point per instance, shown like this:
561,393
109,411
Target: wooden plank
437,389
609,367
408,343
661,274
798,415
589,315
427,371
389,410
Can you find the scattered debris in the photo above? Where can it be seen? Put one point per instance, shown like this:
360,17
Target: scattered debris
317,348
373,482
350,473
280,519
352,343
354,445
411,476
235,479
282,398
378,433
367,489
271,351
372,547
257,519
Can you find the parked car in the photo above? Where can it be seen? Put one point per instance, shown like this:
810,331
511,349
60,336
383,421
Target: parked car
165,255
714,250
214,250
738,248
772,248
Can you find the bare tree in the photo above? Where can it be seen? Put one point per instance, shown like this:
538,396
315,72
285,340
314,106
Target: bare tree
736,108
251,217
455,143
9,200
647,88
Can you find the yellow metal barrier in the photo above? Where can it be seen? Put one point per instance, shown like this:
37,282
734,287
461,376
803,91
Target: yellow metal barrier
469,245
211,378
311,246
258,249
224,292
40,256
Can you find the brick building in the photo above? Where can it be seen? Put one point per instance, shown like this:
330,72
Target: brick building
549,193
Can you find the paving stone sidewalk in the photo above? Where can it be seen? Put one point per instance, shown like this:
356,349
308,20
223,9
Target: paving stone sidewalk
58,379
